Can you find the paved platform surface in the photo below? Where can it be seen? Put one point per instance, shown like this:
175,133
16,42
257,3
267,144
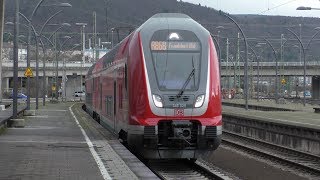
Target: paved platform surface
53,146
304,116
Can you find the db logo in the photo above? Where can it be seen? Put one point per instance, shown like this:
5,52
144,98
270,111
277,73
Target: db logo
179,112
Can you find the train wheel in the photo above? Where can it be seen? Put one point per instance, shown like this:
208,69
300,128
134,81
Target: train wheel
98,119
123,136
84,107
193,160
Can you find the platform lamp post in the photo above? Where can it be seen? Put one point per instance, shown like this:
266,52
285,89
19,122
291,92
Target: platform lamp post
234,70
38,35
55,50
44,51
112,41
29,41
2,10
83,40
313,36
304,51
246,58
60,27
44,69
277,79
44,83
283,43
257,60
218,43
57,65
15,60
43,64
64,77
303,8
258,70
304,65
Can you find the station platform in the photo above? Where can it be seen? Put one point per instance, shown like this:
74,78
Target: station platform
301,116
62,142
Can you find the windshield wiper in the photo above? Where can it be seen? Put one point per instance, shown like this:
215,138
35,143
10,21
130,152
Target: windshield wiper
186,83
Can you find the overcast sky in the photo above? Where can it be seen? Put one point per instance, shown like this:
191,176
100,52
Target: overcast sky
263,7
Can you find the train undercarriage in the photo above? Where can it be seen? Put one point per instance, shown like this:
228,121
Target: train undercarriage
175,139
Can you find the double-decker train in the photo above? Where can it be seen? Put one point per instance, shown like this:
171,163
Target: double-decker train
159,89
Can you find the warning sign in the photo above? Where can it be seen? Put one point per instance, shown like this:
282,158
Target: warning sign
28,72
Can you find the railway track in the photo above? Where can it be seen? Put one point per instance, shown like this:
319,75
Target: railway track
178,169
306,163
183,169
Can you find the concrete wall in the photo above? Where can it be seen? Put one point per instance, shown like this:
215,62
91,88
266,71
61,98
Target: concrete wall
292,136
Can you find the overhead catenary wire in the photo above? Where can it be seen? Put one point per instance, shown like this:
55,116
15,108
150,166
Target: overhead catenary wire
275,7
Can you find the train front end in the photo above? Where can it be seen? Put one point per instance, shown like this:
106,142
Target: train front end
182,118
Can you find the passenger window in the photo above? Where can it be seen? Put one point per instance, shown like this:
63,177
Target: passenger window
109,104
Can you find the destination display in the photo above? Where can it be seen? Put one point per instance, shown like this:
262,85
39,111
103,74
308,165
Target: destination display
174,46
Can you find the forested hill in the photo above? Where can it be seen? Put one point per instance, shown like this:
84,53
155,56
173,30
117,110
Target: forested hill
132,13
135,12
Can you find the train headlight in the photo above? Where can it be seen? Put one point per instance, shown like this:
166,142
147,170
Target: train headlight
157,101
199,101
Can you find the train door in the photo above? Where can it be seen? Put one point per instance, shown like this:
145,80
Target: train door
114,105
101,97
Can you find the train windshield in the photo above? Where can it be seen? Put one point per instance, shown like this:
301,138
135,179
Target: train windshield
175,55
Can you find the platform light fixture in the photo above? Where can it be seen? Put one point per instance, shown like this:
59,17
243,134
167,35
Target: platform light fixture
303,8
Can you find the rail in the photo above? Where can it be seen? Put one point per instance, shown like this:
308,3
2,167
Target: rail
183,169
288,157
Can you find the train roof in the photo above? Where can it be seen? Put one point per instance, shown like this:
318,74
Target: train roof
170,15
172,21
160,21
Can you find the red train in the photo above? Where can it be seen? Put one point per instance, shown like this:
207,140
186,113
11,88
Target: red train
159,89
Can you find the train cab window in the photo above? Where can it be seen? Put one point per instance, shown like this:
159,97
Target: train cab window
176,54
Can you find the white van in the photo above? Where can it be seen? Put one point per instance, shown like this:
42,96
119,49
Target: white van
79,94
